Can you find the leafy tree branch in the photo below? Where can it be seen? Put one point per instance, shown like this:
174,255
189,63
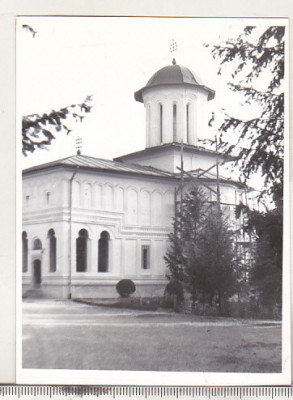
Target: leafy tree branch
38,131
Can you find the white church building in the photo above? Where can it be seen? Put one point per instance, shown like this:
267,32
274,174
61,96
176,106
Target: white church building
89,222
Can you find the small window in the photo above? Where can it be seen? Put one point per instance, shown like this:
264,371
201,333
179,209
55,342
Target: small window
48,194
37,244
145,257
27,201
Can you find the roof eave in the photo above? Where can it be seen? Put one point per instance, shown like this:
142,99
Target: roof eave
43,168
162,147
138,94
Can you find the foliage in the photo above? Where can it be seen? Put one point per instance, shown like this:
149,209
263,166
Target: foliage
125,287
38,131
257,63
266,272
210,264
201,245
175,288
30,30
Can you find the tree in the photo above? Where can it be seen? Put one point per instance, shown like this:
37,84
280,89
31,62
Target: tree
210,264
257,64
186,222
201,254
38,131
266,272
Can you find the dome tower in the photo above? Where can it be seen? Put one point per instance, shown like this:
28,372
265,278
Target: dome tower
175,103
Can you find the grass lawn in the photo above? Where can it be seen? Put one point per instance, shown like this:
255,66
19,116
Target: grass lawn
151,345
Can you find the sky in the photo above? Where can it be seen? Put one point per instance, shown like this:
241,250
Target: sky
110,58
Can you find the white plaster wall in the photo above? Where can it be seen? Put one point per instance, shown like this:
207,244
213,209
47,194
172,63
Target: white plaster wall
193,161
163,160
134,210
130,258
36,188
40,231
181,95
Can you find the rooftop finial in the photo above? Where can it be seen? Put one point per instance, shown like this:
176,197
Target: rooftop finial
78,145
173,48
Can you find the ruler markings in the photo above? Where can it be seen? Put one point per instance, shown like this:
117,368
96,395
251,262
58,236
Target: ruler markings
148,392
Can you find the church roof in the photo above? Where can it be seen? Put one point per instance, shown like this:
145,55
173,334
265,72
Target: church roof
174,75
88,162
99,164
190,148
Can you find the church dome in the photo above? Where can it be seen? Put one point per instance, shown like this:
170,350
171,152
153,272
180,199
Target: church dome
174,75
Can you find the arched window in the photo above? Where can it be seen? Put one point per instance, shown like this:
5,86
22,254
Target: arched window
174,122
24,252
187,123
103,251
81,250
52,250
37,244
161,123
149,124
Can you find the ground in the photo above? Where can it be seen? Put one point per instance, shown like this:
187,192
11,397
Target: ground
65,334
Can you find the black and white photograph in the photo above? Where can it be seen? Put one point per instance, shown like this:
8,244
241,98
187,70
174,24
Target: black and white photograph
152,190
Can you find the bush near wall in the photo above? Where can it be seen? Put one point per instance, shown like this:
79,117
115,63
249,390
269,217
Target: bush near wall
233,309
125,287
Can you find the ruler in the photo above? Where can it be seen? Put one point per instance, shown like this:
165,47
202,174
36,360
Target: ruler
145,392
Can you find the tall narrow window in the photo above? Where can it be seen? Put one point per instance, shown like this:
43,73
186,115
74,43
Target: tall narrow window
27,201
187,124
145,257
81,251
174,122
24,252
161,123
52,250
37,244
149,126
103,262
48,194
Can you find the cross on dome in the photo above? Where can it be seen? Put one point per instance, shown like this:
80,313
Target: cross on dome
173,48
78,145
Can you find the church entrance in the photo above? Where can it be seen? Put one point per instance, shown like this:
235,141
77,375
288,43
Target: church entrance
37,276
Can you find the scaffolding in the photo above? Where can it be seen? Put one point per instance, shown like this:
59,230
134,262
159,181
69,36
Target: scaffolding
243,248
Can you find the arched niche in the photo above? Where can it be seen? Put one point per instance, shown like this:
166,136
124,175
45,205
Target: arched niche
81,250
52,250
103,252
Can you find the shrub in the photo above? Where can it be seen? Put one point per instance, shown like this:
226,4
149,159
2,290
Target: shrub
125,287
174,288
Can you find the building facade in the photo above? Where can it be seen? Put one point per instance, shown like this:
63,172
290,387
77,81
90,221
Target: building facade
89,222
